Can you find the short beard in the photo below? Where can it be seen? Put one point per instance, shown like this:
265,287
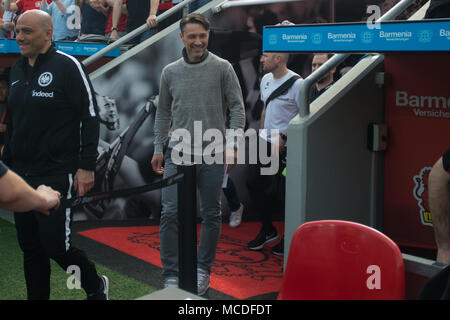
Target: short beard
324,79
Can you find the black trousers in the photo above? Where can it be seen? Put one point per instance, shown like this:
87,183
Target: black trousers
43,237
267,192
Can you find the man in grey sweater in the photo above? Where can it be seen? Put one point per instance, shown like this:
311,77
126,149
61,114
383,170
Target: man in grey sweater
196,92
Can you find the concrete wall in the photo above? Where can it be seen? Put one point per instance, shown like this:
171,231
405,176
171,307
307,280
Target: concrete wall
331,173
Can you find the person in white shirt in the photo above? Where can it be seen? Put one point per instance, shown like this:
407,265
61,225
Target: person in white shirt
64,17
267,191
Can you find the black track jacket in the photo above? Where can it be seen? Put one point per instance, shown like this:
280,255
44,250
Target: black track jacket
52,127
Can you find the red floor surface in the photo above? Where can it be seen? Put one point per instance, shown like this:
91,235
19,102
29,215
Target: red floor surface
238,272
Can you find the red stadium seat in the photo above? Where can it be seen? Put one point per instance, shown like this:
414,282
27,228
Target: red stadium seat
342,260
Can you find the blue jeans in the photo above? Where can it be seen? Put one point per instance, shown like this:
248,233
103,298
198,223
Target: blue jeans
209,185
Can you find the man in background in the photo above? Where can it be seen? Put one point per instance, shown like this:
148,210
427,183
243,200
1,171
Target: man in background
139,13
267,190
439,198
326,81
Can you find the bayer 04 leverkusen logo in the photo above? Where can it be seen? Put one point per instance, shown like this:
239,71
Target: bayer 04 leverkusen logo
420,193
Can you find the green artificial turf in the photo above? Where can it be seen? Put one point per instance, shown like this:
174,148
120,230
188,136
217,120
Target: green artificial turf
12,282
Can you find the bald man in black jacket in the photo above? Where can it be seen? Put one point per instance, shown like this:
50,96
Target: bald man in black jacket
51,138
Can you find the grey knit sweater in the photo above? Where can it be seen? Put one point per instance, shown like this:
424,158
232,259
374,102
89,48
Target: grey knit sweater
203,93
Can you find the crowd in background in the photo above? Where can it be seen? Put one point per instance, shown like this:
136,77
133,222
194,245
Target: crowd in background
73,19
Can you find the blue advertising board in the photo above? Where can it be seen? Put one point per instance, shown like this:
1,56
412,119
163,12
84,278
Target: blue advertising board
403,36
72,48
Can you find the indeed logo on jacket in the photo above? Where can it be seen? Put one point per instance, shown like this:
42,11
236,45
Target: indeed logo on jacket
42,94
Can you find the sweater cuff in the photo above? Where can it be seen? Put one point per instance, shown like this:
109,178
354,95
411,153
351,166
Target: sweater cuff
234,138
158,149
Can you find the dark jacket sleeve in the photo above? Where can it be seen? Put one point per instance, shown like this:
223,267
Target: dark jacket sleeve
3,169
6,153
81,94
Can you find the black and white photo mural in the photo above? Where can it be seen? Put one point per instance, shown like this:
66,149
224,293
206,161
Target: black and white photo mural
128,95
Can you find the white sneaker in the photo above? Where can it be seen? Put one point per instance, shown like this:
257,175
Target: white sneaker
236,217
105,286
103,293
171,282
202,281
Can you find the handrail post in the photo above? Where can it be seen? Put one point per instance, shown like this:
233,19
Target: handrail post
245,3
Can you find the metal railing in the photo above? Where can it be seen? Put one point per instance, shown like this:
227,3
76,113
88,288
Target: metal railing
135,33
180,6
334,61
241,3
309,81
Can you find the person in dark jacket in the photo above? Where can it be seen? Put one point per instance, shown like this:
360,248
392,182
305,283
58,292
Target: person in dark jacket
438,286
438,9
51,138
439,198
326,81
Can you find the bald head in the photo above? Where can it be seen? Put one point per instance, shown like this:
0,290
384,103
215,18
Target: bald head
275,62
42,18
284,56
34,30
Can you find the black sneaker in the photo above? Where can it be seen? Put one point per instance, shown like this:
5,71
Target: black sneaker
278,249
262,239
103,293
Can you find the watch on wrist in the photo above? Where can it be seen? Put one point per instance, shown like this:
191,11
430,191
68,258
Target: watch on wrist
112,29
